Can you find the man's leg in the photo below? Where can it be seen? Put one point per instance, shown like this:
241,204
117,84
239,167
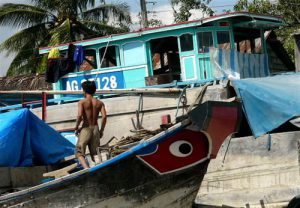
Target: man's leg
94,142
83,162
83,139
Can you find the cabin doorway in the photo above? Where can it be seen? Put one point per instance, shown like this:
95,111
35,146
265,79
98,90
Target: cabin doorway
165,61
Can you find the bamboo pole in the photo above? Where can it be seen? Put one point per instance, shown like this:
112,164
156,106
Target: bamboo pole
115,91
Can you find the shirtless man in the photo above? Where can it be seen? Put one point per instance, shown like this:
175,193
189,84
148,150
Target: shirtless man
88,112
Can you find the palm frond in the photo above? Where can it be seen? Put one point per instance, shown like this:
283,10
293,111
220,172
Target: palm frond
61,34
101,28
26,61
97,28
52,22
21,15
49,5
55,5
103,12
84,4
34,34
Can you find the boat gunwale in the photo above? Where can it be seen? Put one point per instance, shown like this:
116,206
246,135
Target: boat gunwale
144,143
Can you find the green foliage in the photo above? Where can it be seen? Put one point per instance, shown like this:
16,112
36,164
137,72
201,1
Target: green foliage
154,23
288,9
256,6
185,7
52,22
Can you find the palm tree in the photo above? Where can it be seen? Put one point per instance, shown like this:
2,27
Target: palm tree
52,22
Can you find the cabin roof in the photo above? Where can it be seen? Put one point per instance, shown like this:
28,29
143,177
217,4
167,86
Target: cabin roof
245,18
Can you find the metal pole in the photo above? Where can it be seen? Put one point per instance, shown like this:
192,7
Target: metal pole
144,13
23,100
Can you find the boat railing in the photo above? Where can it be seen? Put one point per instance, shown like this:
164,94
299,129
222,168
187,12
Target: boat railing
45,101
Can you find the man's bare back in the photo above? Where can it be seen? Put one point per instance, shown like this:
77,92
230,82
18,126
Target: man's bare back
89,109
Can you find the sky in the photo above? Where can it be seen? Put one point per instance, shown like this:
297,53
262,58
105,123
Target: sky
162,8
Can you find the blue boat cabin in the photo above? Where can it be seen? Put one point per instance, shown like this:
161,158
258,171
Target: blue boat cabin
228,45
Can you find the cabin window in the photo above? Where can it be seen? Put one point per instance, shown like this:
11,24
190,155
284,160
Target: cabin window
186,42
165,58
205,40
89,61
111,57
249,45
247,40
223,39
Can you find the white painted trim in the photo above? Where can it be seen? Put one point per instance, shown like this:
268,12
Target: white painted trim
147,71
148,153
194,67
209,142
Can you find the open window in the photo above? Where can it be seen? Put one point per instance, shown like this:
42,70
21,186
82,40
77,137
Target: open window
109,56
165,55
165,61
223,38
247,40
205,40
89,61
186,42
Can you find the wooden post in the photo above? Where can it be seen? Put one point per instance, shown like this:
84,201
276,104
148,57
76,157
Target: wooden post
44,106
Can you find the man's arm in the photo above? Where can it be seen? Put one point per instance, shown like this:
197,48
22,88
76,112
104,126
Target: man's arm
103,122
79,117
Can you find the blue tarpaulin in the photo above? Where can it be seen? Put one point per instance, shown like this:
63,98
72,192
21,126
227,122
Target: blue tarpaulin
269,102
25,140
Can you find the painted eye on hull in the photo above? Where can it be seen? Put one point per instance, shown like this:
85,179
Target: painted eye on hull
181,148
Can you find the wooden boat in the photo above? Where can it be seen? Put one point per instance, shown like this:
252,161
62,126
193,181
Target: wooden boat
228,45
210,58
163,171
185,55
178,53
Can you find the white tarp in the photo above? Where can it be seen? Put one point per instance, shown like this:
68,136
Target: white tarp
235,65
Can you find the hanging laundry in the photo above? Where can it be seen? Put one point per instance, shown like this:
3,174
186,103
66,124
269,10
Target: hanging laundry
71,51
78,56
56,68
54,53
70,56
